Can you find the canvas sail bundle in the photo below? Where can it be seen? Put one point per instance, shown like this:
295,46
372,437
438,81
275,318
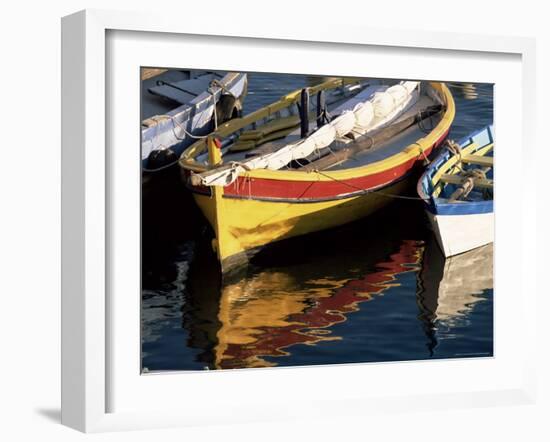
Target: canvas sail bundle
372,109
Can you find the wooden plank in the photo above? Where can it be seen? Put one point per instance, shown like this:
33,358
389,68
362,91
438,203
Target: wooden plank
245,144
477,159
458,180
273,126
147,73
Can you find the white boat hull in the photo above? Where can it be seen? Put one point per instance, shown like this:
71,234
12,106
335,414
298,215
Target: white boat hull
460,233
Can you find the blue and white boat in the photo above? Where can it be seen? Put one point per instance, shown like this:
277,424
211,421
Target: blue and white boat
165,135
457,189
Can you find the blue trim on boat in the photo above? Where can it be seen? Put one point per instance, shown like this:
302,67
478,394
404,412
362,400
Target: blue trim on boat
441,206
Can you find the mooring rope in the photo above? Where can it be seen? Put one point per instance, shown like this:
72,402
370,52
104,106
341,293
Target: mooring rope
212,92
186,132
455,149
422,153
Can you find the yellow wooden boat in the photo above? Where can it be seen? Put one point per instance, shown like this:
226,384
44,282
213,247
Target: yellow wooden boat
267,176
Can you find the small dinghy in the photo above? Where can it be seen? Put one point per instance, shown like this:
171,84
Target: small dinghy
318,158
167,131
457,189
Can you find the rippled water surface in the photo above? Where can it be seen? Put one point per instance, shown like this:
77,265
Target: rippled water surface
376,290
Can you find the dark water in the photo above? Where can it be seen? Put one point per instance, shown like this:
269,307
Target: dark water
375,290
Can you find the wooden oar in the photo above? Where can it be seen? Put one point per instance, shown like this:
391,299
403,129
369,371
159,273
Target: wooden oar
367,142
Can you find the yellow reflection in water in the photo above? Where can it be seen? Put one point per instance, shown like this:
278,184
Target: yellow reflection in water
267,313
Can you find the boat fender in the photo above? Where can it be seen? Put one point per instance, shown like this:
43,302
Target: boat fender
227,107
161,158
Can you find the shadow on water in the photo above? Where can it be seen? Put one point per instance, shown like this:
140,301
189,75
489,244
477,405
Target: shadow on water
169,218
202,302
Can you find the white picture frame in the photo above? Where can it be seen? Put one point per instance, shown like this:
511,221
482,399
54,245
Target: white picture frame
87,211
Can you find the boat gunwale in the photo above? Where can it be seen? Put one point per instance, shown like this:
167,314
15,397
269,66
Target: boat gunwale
441,206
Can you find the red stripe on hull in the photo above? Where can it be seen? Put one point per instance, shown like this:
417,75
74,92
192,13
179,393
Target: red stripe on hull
310,190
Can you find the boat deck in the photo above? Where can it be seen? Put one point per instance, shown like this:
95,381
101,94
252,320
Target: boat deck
335,104
378,153
161,99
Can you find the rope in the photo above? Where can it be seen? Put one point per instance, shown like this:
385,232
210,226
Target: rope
235,164
218,83
378,192
215,113
426,160
187,133
455,149
212,92
470,176
476,173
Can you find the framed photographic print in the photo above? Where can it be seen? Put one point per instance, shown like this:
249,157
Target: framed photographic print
286,235
304,220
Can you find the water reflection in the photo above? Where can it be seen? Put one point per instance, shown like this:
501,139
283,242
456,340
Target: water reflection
360,293
163,304
267,314
287,300
449,289
468,91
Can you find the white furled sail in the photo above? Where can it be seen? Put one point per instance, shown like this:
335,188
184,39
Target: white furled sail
364,114
323,136
372,109
389,104
343,124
